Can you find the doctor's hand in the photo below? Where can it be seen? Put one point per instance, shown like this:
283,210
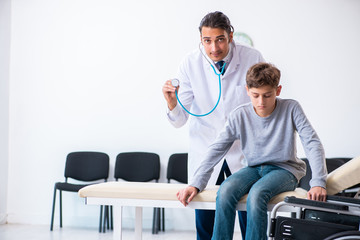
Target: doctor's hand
169,94
187,194
317,194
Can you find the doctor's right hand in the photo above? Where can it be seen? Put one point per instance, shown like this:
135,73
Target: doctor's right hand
187,194
169,94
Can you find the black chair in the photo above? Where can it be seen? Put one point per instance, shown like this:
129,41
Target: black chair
85,167
176,170
139,167
331,164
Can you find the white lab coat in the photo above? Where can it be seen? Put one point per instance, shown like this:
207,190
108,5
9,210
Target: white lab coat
199,92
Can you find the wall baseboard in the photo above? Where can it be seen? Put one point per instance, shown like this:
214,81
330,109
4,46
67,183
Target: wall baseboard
77,221
93,221
3,218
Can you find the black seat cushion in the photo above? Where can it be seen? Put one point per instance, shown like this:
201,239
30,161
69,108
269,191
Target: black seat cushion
63,186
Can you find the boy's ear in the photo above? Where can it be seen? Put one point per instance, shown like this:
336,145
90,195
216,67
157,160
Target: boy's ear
247,90
278,90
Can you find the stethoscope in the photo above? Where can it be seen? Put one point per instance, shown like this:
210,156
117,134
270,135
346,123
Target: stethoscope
175,82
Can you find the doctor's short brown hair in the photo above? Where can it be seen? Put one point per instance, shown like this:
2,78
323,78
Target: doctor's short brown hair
216,20
263,74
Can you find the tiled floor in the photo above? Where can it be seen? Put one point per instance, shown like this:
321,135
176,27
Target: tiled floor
42,232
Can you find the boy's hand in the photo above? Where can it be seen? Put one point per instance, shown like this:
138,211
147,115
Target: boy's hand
317,194
187,194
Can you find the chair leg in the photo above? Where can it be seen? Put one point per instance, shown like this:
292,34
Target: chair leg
105,217
155,221
60,195
159,218
53,210
111,218
163,219
101,214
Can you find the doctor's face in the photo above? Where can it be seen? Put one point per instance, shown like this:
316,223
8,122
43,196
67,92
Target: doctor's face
216,42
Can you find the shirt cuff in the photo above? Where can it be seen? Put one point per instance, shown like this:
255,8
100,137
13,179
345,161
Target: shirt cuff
317,183
173,113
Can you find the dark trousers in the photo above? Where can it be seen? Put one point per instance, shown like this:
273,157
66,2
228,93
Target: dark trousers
205,218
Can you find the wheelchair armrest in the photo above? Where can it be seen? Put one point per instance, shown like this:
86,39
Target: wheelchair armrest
344,199
312,203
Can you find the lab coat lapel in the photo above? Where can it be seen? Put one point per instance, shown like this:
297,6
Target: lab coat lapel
212,84
234,63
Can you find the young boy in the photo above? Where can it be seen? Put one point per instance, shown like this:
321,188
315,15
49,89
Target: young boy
266,129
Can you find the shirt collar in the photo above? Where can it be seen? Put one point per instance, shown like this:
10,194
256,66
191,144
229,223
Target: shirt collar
228,57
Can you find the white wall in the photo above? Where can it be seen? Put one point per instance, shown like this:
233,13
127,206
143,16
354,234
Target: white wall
87,75
4,103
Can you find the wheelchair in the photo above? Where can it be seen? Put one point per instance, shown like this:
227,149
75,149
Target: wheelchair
336,219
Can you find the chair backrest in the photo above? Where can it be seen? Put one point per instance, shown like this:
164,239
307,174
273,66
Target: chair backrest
87,166
137,166
331,165
177,167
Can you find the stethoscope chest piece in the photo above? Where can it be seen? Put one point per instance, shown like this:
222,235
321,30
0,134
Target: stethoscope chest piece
175,82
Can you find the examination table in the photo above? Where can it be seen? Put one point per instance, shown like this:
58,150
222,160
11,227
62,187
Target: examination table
139,195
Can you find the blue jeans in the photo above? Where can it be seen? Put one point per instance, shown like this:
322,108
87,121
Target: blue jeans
205,218
262,183
205,223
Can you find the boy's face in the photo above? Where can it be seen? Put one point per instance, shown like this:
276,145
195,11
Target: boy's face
263,99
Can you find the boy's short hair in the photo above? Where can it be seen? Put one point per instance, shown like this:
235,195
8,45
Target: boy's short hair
263,74
216,20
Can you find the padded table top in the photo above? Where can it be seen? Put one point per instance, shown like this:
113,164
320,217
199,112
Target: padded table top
342,178
162,191
345,176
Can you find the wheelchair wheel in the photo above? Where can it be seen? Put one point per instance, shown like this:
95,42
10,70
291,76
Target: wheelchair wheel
347,235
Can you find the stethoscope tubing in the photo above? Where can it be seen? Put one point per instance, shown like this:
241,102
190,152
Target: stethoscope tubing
203,115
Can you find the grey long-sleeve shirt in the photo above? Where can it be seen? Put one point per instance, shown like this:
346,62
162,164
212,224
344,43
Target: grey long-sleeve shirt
269,140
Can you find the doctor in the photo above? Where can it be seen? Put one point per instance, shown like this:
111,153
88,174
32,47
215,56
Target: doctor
199,92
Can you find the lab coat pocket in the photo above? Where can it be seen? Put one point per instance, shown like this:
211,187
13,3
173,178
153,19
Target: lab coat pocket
202,133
